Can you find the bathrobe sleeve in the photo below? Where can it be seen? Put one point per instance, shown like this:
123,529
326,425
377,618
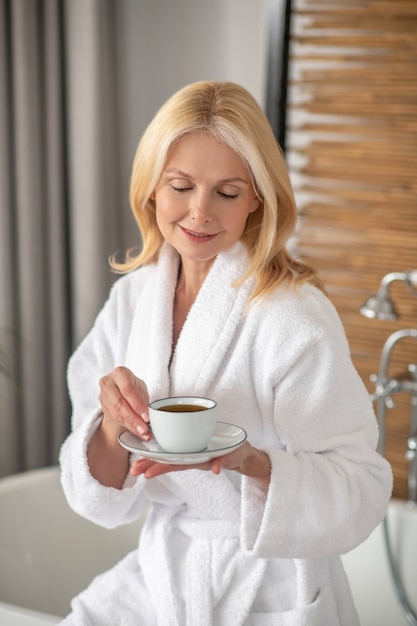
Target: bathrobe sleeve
103,348
329,488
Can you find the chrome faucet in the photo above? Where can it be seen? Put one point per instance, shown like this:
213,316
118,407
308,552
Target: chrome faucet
380,306
384,388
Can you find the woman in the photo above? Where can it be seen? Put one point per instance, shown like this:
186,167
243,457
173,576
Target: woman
215,305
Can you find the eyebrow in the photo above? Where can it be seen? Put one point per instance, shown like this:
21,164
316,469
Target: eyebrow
235,179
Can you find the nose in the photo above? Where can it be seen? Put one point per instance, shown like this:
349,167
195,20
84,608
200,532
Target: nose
200,211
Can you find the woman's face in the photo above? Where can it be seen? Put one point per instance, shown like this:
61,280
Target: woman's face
203,197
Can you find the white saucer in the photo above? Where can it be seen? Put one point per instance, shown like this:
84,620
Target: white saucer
226,438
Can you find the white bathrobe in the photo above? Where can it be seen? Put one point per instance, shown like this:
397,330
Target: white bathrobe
220,550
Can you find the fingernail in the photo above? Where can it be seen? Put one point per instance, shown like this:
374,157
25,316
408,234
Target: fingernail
141,429
216,469
145,417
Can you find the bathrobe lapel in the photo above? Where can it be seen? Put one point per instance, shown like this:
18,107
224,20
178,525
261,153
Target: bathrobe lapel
150,343
211,324
207,332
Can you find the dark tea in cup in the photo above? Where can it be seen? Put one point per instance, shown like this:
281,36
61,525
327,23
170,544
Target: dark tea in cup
183,424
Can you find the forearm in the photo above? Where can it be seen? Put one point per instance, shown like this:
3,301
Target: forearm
107,460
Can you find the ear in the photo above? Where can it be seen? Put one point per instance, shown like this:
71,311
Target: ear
152,196
256,203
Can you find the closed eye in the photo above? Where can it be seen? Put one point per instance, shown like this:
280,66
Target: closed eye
180,189
228,196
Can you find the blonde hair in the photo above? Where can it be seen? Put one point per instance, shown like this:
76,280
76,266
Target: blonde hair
229,113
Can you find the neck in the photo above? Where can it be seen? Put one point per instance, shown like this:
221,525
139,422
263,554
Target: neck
190,278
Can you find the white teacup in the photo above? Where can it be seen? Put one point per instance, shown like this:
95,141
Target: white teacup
183,424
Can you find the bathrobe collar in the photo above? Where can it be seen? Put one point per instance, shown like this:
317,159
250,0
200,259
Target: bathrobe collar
207,332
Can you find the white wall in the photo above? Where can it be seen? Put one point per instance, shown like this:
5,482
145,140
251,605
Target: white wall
170,43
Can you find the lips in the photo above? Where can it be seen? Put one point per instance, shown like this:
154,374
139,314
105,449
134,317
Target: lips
193,235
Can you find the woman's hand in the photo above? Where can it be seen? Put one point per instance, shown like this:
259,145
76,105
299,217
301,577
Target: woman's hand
124,401
246,460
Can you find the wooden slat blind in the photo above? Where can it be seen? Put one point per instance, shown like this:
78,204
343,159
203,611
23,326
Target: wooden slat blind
352,155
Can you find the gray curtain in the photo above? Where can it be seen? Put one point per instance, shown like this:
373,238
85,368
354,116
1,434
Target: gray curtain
61,206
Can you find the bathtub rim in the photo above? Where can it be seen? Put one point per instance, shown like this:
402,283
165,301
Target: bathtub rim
13,611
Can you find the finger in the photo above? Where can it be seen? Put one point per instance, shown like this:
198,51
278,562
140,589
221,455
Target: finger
151,469
133,390
217,465
118,392
231,461
140,466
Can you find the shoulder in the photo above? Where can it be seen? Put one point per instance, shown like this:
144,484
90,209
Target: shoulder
128,287
304,312
305,301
